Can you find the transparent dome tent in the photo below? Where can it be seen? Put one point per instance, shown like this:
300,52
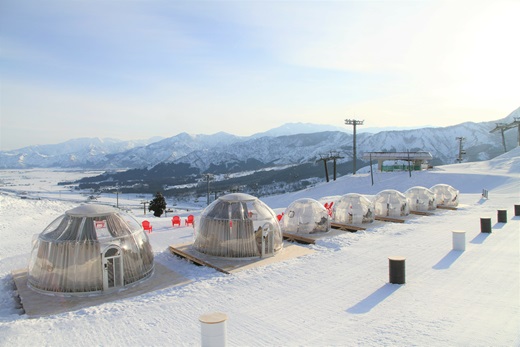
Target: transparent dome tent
90,249
391,203
238,226
421,199
305,216
353,208
446,195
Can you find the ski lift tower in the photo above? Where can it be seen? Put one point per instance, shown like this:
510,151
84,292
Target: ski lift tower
503,127
354,123
461,150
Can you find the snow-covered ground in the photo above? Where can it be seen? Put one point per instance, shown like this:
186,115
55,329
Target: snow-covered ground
337,296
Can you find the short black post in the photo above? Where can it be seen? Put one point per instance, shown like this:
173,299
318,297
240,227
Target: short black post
502,216
397,269
485,225
517,210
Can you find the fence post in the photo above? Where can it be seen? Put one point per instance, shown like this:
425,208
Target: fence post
459,240
485,225
397,270
502,216
213,329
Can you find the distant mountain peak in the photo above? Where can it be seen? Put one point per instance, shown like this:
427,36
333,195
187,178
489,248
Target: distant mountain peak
298,128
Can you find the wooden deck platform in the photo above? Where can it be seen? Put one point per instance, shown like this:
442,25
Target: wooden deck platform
422,213
299,239
38,304
233,265
389,219
447,207
346,227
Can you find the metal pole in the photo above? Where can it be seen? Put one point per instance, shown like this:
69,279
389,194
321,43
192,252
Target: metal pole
503,140
334,161
371,170
326,169
518,134
207,194
354,149
354,123
409,167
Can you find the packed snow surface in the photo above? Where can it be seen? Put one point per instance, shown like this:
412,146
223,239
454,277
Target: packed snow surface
337,296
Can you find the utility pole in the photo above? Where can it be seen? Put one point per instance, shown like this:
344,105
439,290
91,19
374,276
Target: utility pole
144,206
117,192
354,123
208,177
117,197
461,150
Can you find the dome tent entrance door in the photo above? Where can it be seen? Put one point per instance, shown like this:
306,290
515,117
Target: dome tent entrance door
112,268
267,241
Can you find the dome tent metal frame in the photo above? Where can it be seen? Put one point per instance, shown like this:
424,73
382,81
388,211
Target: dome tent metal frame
421,199
445,195
238,225
90,249
305,216
391,203
353,208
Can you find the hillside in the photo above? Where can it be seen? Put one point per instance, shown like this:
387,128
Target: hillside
337,296
288,145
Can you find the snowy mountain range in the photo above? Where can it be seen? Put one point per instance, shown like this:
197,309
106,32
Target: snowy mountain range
290,144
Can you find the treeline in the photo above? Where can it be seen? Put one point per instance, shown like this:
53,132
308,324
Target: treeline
164,175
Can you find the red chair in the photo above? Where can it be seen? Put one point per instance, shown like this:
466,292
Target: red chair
147,226
190,220
176,220
329,207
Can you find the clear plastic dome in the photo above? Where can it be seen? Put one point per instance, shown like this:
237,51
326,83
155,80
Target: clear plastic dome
421,199
236,226
91,248
391,203
446,195
305,216
353,208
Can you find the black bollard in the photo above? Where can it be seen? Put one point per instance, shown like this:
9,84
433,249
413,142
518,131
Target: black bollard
397,270
485,225
517,210
502,216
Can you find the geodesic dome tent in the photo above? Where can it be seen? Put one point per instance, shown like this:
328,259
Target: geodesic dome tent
391,203
353,208
445,195
305,216
90,248
238,226
421,199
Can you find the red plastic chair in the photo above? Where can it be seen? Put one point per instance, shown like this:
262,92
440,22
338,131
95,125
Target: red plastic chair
190,220
147,226
329,207
176,220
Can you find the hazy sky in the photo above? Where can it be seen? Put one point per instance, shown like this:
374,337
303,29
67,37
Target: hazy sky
136,69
